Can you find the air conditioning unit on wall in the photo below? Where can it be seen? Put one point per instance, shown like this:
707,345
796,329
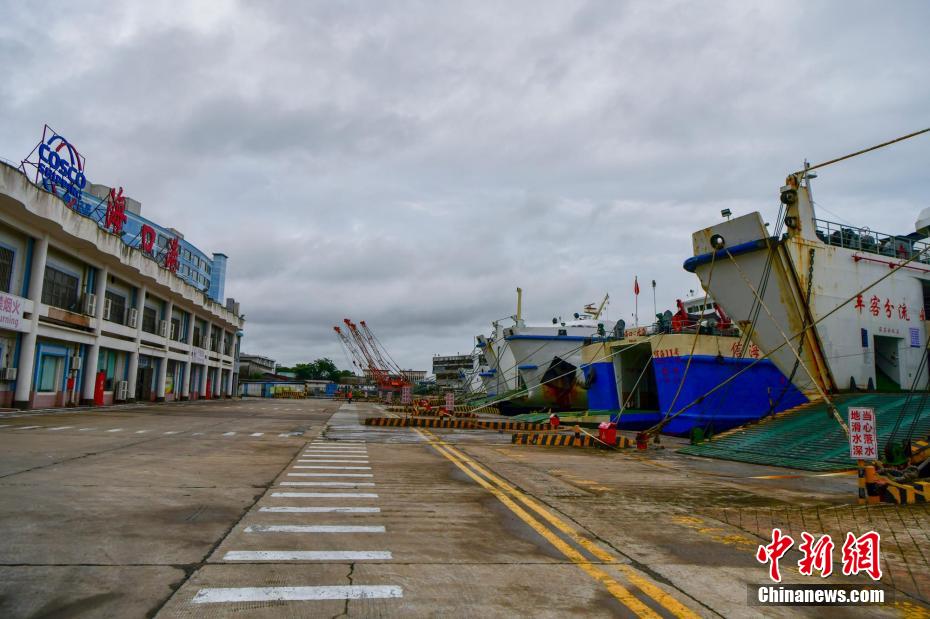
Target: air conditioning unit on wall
133,318
163,328
107,307
76,362
7,373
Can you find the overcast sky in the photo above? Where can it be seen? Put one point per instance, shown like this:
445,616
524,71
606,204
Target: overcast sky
412,163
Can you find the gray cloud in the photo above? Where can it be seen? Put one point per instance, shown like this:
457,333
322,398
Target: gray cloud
411,163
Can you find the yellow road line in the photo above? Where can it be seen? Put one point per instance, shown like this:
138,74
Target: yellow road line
641,582
624,595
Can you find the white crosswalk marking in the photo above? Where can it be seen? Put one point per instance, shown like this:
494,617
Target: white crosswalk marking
335,468
115,430
330,474
296,594
325,495
321,510
331,484
313,528
335,465
307,555
59,428
27,427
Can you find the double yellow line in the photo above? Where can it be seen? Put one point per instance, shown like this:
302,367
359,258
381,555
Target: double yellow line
509,496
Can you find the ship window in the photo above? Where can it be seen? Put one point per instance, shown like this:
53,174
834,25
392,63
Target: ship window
563,332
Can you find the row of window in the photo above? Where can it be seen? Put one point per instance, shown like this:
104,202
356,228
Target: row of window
193,276
60,289
198,262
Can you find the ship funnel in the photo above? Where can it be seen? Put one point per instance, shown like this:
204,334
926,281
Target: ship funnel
922,225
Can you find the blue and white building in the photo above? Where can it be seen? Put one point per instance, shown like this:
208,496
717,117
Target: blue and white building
87,316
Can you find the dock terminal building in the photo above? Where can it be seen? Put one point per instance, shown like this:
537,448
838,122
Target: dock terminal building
99,304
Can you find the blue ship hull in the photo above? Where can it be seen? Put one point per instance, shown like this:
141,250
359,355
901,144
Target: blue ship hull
757,392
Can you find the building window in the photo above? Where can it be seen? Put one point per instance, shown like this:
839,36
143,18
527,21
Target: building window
175,329
6,268
49,370
149,319
60,289
117,307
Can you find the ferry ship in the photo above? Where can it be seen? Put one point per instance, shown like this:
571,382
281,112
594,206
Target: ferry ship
548,357
663,373
834,307
500,375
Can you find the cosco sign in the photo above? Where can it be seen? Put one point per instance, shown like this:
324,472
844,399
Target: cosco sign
60,165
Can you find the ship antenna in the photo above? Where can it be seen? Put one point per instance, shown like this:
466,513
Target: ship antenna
808,168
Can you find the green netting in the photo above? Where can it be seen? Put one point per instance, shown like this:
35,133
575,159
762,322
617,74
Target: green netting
809,438
531,417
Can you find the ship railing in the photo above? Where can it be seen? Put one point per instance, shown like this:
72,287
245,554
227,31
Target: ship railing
872,242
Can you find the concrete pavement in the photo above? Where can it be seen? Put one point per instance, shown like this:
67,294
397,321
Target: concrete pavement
293,508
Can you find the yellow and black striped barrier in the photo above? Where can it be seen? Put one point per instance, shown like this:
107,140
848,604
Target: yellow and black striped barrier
444,422
460,410
289,395
902,493
568,440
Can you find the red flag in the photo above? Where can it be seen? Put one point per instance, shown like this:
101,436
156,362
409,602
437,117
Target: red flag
635,285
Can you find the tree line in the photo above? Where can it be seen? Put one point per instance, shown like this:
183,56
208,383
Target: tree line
321,369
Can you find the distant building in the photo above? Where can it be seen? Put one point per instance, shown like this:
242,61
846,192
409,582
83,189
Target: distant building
250,365
450,370
414,375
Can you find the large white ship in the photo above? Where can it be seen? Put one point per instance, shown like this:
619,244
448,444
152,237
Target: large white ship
500,375
548,357
835,307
